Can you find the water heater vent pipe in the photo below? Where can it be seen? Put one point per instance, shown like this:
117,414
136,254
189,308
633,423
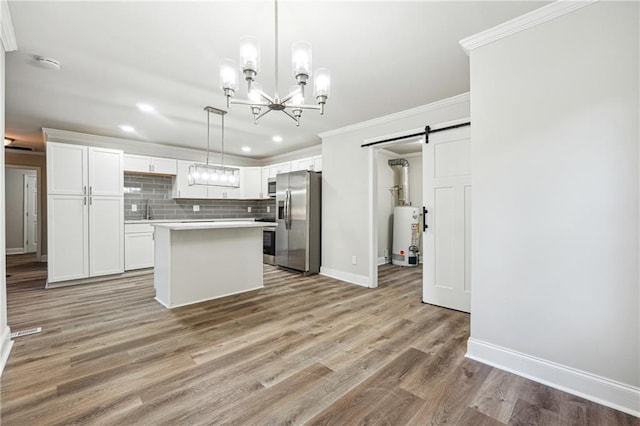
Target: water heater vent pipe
404,200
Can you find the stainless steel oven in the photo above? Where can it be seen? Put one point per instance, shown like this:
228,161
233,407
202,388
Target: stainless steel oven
269,245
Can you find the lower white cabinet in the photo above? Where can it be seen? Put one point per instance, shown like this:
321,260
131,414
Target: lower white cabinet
138,246
85,237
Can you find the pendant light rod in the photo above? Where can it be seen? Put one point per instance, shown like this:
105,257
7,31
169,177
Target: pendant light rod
276,38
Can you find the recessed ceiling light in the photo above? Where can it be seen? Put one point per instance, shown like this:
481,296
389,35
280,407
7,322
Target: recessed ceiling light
126,128
145,107
277,138
246,149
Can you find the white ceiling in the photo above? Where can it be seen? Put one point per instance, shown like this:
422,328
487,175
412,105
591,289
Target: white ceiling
384,57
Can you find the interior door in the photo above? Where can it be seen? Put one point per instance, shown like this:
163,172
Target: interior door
31,213
446,162
298,232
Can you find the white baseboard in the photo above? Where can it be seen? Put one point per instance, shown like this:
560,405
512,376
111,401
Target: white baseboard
345,276
383,261
5,347
16,250
586,385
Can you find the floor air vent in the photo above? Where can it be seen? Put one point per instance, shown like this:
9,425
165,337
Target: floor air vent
26,332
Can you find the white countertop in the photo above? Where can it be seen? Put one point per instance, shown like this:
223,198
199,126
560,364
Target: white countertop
152,221
212,225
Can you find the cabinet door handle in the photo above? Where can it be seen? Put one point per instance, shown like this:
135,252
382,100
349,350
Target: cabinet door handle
84,190
90,190
90,200
84,201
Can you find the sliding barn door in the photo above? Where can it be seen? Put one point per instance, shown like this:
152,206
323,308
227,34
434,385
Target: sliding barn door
446,162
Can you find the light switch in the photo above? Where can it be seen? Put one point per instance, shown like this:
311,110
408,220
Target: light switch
134,207
354,260
196,208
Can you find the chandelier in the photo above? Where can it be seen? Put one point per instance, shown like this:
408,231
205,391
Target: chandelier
214,175
291,104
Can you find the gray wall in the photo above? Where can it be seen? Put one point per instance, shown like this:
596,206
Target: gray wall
14,210
157,190
555,199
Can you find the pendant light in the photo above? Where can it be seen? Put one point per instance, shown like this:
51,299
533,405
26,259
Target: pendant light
214,175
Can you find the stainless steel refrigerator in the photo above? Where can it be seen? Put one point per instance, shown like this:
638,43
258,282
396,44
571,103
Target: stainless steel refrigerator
298,196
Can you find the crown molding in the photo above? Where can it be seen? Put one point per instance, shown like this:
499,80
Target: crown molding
399,115
294,155
7,35
140,148
521,23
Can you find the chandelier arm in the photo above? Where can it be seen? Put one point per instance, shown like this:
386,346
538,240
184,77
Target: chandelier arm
267,111
290,115
208,138
265,96
290,95
242,102
297,106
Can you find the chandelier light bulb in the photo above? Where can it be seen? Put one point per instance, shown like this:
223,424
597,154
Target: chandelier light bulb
301,60
254,94
232,178
228,75
322,82
223,177
214,176
205,176
249,55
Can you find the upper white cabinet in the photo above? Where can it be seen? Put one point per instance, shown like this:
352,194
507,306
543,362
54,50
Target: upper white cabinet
181,188
317,163
302,164
251,185
149,165
67,169
274,169
85,218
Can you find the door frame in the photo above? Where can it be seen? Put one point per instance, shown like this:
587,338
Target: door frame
372,155
39,215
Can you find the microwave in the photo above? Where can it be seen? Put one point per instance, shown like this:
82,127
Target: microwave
271,187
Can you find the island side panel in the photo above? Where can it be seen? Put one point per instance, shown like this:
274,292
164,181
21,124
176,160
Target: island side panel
212,263
162,266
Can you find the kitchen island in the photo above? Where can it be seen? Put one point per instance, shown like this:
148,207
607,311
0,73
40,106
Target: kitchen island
200,261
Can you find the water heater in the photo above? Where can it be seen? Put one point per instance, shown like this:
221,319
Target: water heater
406,236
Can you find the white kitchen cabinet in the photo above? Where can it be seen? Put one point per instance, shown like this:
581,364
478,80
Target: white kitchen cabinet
150,165
138,246
264,179
86,213
251,185
181,188
68,237
302,164
317,163
274,169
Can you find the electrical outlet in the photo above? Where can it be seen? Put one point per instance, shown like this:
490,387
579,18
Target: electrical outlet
386,252
354,260
134,207
196,208
268,209
249,209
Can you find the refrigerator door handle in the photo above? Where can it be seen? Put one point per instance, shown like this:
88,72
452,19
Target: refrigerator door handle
288,209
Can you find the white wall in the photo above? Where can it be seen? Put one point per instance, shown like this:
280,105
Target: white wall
14,207
555,112
345,184
7,42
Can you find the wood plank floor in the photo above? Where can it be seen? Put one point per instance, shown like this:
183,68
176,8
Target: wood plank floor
304,350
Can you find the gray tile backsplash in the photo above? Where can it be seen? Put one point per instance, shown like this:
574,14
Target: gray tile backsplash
155,191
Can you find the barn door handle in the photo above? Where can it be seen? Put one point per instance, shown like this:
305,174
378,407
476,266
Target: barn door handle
424,219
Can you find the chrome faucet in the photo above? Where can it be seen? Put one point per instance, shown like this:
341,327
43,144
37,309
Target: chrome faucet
147,210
